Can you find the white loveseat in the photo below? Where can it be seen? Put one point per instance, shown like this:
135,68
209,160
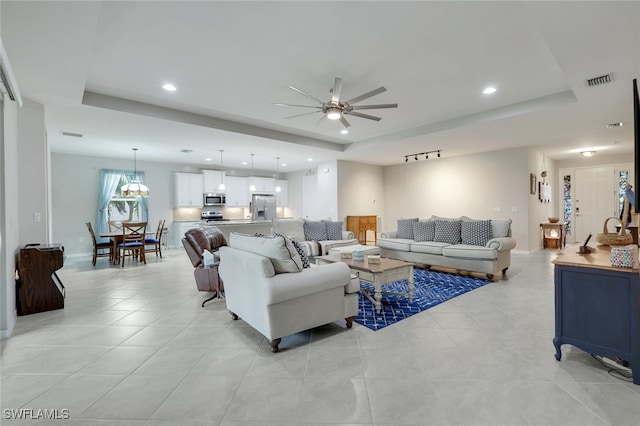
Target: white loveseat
266,285
463,243
316,237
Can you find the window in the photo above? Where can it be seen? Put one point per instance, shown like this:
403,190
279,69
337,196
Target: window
112,206
121,208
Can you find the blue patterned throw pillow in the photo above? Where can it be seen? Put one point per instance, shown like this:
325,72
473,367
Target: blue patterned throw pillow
315,230
303,255
405,228
476,232
424,230
448,231
334,230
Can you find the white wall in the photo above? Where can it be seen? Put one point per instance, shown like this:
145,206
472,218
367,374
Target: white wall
75,181
360,190
9,215
328,190
33,176
538,211
482,186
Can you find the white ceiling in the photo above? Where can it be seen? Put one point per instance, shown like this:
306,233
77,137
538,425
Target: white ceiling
98,68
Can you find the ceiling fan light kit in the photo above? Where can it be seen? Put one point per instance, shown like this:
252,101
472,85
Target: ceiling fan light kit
335,109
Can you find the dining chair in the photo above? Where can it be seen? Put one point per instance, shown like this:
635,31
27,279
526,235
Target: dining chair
132,243
153,244
115,225
99,249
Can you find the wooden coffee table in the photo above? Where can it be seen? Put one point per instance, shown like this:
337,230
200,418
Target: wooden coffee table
378,274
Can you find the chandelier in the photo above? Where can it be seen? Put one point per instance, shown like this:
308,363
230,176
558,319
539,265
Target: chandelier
135,188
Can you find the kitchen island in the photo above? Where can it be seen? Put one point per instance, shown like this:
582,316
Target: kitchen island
244,226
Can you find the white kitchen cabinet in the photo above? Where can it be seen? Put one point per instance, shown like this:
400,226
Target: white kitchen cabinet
188,189
283,195
212,180
237,191
264,185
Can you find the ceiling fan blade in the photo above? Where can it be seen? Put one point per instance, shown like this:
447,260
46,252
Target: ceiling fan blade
367,116
300,115
301,106
379,106
344,122
337,88
306,94
366,95
324,117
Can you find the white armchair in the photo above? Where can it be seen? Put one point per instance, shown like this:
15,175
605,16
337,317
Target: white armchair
278,303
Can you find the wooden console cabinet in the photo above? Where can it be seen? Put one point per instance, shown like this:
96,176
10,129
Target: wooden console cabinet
359,225
597,307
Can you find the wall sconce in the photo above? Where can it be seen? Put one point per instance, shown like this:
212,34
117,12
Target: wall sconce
426,155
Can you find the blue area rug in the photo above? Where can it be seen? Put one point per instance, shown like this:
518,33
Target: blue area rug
430,287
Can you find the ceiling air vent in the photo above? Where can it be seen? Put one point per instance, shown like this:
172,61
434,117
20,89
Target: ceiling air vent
75,135
612,125
597,81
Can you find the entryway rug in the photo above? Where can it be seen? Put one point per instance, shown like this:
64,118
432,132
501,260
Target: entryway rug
430,287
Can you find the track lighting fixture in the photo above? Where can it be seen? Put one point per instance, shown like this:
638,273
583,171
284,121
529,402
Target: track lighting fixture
426,155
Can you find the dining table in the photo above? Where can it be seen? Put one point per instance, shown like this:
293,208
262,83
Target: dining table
116,237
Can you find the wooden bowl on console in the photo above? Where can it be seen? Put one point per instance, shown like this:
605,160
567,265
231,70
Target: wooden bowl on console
553,219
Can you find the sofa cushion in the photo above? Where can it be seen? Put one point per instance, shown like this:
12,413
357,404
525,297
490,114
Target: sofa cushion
424,230
403,244
334,230
292,228
301,252
405,228
500,228
476,232
430,247
448,231
315,230
465,251
277,248
327,245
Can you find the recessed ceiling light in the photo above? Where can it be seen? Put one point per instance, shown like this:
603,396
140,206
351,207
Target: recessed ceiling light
344,131
284,164
309,159
244,163
489,90
587,153
169,87
207,159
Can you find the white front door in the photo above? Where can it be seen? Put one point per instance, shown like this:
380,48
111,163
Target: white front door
595,201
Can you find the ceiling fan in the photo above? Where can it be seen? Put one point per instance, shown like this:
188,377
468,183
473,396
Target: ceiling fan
335,109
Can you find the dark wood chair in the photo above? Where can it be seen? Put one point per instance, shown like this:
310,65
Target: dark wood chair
99,249
132,243
153,244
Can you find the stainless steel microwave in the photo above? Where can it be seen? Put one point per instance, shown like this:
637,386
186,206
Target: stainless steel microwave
211,199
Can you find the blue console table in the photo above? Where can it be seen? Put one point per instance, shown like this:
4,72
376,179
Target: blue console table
597,306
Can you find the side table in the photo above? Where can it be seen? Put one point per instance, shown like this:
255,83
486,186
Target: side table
554,234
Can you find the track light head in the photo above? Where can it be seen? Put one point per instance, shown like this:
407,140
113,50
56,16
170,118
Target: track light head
406,158
416,157
426,157
438,154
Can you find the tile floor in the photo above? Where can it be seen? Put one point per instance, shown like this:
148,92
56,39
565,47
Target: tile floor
133,347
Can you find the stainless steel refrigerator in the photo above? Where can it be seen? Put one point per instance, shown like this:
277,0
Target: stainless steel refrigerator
263,207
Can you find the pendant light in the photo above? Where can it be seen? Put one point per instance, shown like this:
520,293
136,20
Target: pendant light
252,187
221,187
134,188
278,189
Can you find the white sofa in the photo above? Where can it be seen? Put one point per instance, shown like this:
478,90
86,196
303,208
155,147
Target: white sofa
482,246
266,285
321,244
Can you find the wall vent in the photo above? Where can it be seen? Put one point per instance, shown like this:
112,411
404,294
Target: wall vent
75,135
612,125
597,81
